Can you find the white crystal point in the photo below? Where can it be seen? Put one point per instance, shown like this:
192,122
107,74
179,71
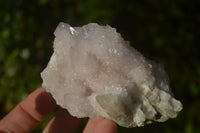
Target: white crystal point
93,72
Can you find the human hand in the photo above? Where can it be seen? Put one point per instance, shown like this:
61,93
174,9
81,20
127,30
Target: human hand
34,108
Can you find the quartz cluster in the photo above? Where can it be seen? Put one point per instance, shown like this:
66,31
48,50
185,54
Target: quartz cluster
93,72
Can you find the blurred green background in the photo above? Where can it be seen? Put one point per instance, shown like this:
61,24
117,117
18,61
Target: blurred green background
166,31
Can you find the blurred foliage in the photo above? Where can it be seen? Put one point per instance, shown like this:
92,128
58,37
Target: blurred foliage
166,31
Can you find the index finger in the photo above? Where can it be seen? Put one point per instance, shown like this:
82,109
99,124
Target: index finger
28,113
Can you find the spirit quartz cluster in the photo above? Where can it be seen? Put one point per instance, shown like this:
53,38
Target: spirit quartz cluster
93,72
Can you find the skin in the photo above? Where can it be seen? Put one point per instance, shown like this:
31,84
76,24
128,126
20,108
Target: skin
35,107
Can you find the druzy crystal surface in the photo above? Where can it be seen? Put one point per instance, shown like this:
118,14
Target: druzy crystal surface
93,72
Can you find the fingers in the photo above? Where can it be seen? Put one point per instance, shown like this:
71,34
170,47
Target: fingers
100,125
27,114
33,109
91,125
106,126
62,122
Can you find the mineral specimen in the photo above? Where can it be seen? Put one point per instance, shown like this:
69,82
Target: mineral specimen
93,72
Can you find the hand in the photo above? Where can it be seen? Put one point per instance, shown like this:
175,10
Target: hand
34,108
